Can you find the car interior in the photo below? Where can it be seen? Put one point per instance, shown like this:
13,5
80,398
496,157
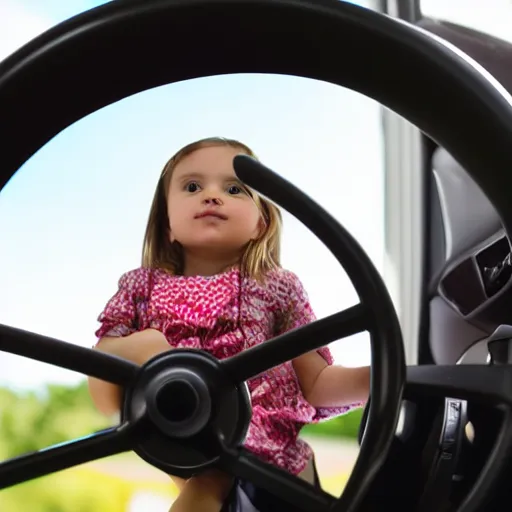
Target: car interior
436,434
465,307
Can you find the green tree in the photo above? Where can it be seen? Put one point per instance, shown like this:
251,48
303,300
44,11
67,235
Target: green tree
30,421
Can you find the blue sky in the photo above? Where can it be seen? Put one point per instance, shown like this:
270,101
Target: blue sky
72,218
57,10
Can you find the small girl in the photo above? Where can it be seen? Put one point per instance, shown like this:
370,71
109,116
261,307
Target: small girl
211,279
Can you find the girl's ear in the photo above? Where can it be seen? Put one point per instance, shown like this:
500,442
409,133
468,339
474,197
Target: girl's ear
171,236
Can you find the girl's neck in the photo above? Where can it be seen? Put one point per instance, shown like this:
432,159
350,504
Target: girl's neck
196,265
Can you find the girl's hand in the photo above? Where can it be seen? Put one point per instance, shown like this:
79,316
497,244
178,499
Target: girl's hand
138,347
152,342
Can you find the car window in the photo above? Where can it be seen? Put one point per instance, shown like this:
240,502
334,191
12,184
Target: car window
492,16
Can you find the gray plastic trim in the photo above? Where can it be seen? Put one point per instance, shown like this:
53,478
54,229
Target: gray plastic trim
468,216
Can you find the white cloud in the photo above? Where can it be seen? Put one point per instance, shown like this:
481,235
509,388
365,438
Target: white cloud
18,26
43,305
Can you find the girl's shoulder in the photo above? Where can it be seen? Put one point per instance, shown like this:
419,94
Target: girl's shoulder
140,280
282,278
283,284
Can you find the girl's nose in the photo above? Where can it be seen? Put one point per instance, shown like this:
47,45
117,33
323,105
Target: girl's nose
212,200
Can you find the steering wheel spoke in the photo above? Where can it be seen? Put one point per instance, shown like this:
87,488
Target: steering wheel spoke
283,348
67,355
66,455
292,490
488,384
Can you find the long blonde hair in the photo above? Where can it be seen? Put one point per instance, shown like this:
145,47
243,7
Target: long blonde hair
260,255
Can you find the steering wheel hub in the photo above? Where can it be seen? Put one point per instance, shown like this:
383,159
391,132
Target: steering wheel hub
179,402
190,408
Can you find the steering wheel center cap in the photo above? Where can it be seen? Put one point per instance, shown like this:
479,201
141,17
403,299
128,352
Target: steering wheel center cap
179,402
186,400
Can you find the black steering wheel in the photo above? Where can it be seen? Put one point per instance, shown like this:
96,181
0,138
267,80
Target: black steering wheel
113,51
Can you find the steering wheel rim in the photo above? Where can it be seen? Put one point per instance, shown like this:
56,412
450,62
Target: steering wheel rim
385,47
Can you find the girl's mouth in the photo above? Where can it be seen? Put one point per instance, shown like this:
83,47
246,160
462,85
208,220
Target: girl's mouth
211,213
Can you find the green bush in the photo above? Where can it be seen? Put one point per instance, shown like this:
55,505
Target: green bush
346,426
30,421
74,490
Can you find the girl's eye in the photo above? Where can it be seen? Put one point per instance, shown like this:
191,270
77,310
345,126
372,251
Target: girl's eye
192,187
235,189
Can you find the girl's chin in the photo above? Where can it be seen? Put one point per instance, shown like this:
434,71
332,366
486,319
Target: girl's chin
222,244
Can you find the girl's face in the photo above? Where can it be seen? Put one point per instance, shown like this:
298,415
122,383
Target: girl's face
208,208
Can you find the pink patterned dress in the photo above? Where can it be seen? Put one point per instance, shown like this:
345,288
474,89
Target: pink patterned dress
225,314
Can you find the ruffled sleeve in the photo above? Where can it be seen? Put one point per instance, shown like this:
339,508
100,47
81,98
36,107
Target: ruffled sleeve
126,312
297,310
297,314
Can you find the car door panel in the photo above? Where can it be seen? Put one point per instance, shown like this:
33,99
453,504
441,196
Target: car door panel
464,234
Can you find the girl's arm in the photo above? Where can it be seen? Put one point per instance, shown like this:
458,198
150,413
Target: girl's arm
138,347
326,385
124,332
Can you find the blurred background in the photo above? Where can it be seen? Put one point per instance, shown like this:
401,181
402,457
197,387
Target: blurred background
73,217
